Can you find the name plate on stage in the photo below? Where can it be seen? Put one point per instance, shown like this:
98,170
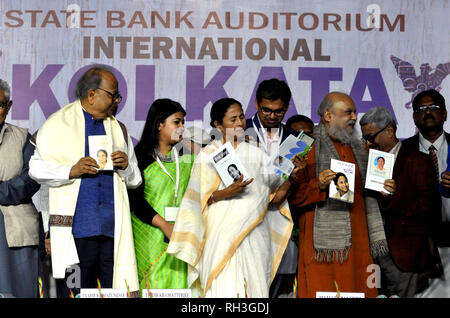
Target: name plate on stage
166,293
106,293
341,295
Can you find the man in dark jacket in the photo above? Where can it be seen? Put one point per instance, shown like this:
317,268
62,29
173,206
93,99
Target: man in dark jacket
410,213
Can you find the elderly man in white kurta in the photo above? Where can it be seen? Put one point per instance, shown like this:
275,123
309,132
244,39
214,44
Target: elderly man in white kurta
90,222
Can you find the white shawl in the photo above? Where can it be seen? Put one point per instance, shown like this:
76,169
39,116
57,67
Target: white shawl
61,140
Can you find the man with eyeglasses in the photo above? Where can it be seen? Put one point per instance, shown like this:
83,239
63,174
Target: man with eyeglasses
90,223
272,101
19,220
429,115
409,214
338,241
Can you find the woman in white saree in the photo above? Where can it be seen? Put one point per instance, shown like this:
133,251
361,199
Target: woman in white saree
232,238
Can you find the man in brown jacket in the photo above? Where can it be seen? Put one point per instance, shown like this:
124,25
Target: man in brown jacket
410,214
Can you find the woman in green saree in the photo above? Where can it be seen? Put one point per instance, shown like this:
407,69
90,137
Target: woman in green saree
154,204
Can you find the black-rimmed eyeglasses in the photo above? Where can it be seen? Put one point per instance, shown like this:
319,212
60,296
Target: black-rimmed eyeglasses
371,138
4,104
114,96
267,111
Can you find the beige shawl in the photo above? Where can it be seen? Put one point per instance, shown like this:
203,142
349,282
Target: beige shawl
61,140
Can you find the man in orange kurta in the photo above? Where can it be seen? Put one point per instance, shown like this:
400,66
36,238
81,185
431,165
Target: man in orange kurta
349,267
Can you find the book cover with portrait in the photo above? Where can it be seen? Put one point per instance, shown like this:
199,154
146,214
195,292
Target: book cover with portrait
281,165
228,165
342,187
100,149
380,167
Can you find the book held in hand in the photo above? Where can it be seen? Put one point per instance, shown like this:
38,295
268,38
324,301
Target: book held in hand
281,162
100,149
281,166
228,165
292,145
342,187
379,168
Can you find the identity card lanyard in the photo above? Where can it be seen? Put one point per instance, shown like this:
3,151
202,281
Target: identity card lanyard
256,122
177,163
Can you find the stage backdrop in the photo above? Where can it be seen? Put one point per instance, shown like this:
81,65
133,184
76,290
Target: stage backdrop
195,52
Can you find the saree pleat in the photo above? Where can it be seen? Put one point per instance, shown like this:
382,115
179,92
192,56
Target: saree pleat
234,246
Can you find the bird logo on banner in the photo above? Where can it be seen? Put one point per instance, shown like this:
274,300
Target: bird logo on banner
426,80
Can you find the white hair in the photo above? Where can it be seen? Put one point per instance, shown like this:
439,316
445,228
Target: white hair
4,86
380,116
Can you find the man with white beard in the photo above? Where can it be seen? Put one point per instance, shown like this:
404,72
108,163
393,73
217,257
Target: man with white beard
338,241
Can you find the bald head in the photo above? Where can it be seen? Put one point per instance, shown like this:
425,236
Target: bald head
332,98
92,79
98,92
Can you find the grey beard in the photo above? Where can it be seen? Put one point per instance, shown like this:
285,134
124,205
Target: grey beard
343,135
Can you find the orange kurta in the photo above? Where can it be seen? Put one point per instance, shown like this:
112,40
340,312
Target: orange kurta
351,276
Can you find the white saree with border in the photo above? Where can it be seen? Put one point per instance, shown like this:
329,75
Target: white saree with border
232,247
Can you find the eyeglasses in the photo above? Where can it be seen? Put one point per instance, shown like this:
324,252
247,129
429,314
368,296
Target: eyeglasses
4,104
267,111
424,108
371,138
114,96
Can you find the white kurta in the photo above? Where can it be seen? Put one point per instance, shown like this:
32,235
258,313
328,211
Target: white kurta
59,145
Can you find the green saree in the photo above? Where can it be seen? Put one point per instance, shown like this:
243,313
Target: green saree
156,268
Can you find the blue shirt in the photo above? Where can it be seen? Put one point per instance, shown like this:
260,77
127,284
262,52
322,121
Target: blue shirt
94,213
